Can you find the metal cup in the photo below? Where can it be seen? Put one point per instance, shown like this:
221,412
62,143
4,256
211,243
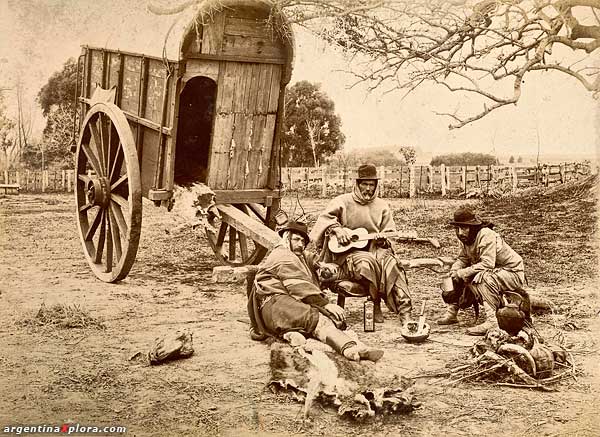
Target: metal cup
447,284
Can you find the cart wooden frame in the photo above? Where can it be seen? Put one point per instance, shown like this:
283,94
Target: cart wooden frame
213,116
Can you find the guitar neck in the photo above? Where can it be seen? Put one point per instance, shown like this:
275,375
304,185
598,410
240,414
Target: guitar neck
374,235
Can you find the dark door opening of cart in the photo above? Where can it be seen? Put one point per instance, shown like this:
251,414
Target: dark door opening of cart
194,131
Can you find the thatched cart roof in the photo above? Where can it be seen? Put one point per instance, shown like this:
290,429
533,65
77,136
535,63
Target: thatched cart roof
159,31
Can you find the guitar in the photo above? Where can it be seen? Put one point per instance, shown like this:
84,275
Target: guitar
360,237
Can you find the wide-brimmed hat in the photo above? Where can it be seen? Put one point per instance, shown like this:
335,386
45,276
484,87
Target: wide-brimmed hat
367,171
465,217
299,228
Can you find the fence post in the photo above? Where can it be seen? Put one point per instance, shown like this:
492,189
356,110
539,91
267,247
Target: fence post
514,178
6,176
381,182
324,180
464,178
443,174
306,177
412,191
69,180
561,170
44,180
430,179
18,178
447,176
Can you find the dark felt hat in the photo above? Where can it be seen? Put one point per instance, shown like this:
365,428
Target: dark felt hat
297,227
465,217
367,171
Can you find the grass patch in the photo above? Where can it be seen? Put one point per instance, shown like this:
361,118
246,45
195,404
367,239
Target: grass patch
64,316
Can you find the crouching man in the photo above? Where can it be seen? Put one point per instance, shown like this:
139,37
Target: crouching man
486,267
286,299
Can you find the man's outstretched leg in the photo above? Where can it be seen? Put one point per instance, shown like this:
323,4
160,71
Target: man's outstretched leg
342,343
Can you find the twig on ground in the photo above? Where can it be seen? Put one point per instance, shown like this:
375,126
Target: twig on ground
471,375
78,341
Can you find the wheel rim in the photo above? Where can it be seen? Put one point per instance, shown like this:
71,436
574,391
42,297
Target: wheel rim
108,192
232,247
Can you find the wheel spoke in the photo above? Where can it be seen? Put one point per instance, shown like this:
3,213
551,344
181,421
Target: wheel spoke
92,159
85,207
101,238
109,244
118,215
116,167
92,229
98,143
116,234
232,243
104,123
258,210
121,201
85,178
243,246
119,182
222,233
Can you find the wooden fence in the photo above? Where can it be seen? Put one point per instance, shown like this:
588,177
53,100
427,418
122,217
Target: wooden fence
410,181
40,181
401,181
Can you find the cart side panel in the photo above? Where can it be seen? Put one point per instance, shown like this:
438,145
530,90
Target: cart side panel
114,73
131,89
149,159
244,125
267,142
155,91
97,69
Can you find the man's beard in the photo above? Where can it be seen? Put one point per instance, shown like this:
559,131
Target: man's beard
367,194
469,239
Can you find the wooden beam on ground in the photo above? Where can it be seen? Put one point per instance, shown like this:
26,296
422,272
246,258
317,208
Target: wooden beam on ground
239,274
250,227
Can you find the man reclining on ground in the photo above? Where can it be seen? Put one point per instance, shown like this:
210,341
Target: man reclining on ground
285,299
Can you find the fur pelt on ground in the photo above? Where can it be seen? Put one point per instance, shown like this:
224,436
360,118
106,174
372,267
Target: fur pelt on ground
313,373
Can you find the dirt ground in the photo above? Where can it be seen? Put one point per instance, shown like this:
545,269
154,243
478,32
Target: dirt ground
52,375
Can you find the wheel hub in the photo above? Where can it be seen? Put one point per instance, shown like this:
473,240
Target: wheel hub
98,192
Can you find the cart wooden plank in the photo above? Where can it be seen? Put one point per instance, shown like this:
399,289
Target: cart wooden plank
131,84
250,227
212,35
242,26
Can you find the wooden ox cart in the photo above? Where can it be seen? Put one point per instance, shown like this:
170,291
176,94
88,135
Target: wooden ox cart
211,116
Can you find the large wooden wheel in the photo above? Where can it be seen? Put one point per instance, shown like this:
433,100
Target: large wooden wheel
230,245
108,192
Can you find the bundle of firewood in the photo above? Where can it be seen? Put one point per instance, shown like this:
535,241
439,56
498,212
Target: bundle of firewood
523,360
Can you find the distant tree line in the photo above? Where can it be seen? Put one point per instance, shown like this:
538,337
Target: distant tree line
467,158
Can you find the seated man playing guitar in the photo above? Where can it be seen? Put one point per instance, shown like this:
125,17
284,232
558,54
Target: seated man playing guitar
373,265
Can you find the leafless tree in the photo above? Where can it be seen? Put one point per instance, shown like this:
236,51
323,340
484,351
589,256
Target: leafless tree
484,48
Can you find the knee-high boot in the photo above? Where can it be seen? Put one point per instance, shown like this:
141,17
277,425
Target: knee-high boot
342,343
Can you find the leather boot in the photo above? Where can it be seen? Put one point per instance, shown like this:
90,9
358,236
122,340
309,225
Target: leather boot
344,345
377,314
490,321
450,316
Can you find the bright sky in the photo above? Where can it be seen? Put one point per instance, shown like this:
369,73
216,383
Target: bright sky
36,37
